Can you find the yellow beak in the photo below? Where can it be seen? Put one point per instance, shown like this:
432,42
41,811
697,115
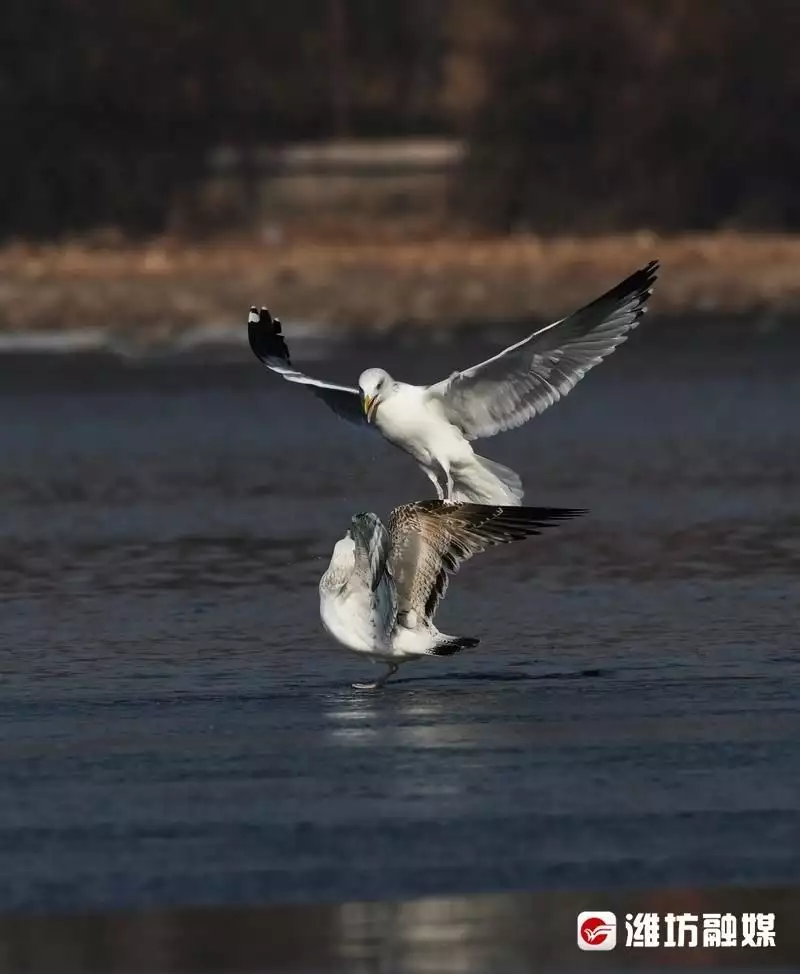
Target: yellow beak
369,403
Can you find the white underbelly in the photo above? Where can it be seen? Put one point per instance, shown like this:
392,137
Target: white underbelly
428,438
352,621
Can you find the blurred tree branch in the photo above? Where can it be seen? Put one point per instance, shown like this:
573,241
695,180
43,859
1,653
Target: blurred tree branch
580,114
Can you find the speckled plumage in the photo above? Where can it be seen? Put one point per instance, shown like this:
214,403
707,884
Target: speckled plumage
430,540
381,591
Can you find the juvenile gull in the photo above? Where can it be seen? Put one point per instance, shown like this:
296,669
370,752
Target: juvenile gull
381,590
435,424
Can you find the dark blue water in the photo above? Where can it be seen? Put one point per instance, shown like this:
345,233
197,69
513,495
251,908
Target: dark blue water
177,729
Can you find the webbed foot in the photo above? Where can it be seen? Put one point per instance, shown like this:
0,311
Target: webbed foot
392,668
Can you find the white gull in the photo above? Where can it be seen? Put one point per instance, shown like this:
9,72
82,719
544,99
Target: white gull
435,424
380,592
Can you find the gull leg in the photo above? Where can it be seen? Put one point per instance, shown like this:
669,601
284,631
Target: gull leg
377,684
449,494
435,481
442,479
447,482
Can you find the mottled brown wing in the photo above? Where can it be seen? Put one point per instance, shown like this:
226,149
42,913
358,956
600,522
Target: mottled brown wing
430,540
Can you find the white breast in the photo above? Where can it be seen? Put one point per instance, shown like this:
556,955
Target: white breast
407,420
354,619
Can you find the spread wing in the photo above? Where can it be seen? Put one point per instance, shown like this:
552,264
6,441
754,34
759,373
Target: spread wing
430,540
372,551
372,547
522,381
269,346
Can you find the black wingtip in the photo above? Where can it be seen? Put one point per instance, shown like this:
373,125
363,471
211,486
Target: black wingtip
643,279
518,512
544,515
638,286
451,645
568,512
516,523
265,336
647,277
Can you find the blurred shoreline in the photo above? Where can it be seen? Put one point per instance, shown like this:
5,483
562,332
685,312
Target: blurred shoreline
450,934
169,287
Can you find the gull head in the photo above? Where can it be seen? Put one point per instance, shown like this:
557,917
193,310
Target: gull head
344,550
375,385
342,564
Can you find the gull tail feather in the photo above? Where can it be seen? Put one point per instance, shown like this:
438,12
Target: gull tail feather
450,645
482,481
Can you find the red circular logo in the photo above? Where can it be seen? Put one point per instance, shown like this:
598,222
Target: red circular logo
595,931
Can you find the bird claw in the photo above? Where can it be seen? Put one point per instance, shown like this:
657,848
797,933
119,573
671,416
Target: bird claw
377,684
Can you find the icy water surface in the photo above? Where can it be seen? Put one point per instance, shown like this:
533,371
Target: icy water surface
177,730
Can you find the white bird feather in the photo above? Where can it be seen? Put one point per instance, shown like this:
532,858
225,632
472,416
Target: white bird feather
435,424
381,590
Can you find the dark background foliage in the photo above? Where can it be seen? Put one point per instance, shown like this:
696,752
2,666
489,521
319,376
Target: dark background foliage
579,114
